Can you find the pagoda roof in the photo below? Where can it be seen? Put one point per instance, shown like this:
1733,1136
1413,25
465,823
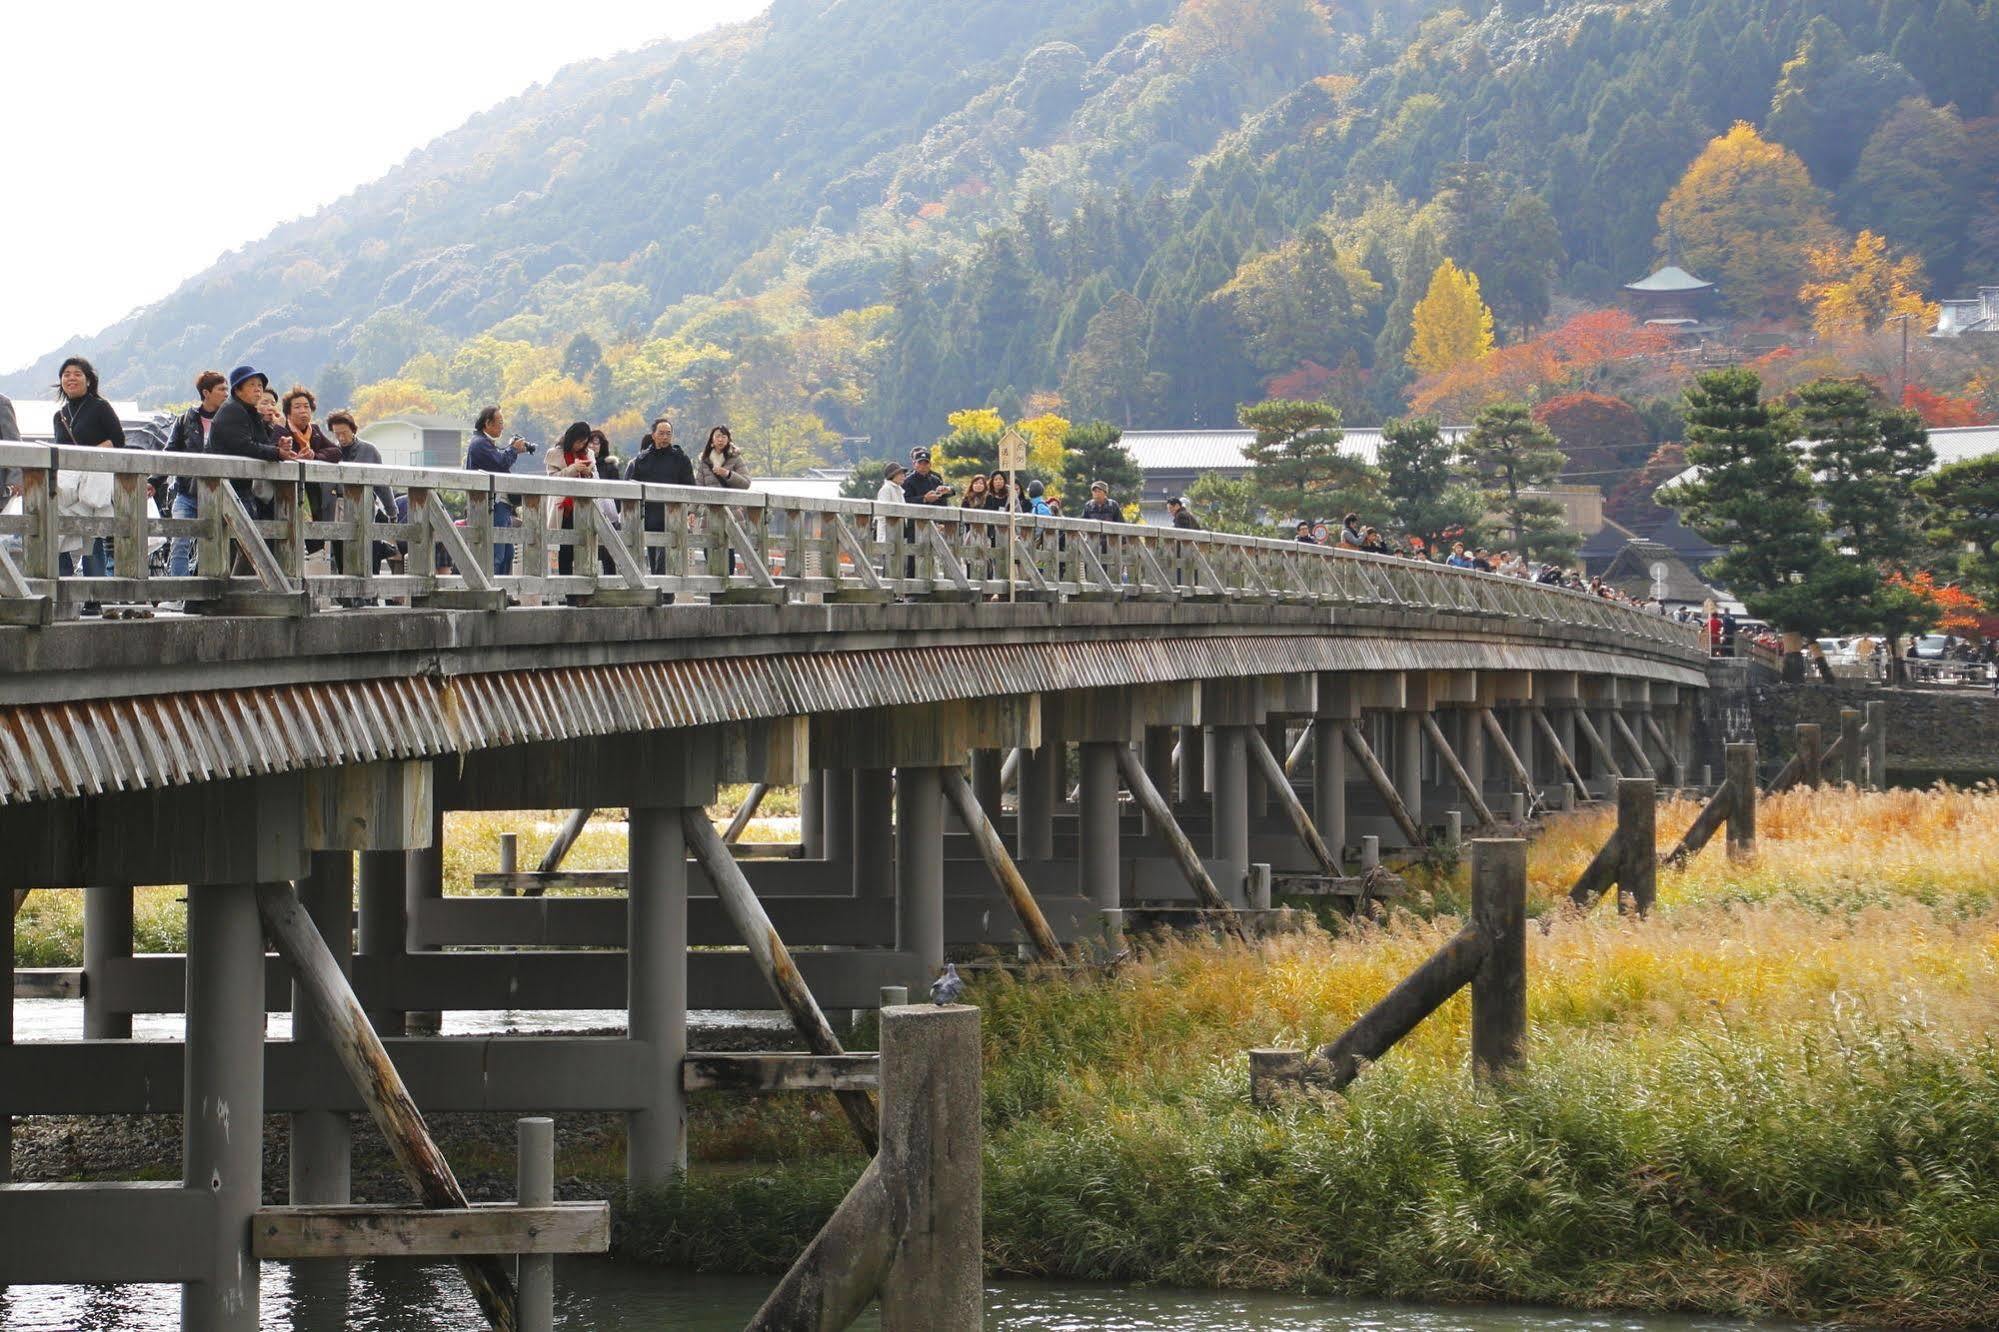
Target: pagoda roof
1670,278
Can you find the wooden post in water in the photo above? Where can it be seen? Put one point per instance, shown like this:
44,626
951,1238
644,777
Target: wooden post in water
1499,986
362,1055
535,1186
1741,782
1638,842
1809,757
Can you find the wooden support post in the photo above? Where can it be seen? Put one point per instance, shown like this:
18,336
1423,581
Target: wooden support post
1184,854
773,959
572,828
1850,743
1877,745
656,991
1497,734
1596,744
1329,785
321,1144
367,1064
1499,986
1675,770
1638,842
1632,744
1705,825
1357,745
744,813
510,858
1473,796
534,1183
1741,784
1098,865
919,871
1599,874
993,849
1420,994
1808,755
1265,761
1567,761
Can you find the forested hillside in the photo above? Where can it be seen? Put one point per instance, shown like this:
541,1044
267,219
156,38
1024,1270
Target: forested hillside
851,217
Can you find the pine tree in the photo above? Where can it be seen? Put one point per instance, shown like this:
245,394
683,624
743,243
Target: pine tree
1515,459
1091,452
1451,324
1866,464
1425,495
1297,466
1952,51
1962,511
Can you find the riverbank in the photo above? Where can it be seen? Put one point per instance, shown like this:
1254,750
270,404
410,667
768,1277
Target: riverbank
1778,1098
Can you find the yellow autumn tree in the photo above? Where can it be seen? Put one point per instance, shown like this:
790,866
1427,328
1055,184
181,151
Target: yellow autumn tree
1044,434
1746,216
1452,325
1858,289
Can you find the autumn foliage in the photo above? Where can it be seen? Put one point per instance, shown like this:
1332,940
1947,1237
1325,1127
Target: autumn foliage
1593,351
1957,611
1941,410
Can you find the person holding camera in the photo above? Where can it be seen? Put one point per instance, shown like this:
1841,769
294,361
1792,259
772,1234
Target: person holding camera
487,454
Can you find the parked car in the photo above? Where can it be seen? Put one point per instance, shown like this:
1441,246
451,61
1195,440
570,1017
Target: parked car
1838,651
1932,647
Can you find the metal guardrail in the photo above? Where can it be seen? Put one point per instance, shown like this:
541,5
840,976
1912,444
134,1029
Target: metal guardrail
726,545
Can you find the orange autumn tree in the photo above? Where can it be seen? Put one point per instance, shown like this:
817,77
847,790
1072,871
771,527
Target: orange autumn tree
1599,351
1954,610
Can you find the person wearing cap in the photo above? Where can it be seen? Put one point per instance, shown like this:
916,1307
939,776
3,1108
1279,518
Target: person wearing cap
239,429
1305,537
1183,517
1100,507
924,486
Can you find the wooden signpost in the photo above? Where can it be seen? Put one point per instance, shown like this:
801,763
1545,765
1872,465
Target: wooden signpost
1012,457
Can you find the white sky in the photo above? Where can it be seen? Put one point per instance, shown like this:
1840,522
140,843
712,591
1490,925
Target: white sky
110,113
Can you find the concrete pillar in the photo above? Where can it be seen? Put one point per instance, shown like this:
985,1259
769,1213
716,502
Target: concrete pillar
1329,784
1563,719
1230,757
930,1147
919,869
1040,775
838,829
424,881
107,936
7,1035
1408,732
222,1115
1682,732
1471,746
1193,764
874,833
1877,745
1600,717
321,1155
1520,731
812,816
986,767
1097,866
1158,758
534,1186
381,928
656,980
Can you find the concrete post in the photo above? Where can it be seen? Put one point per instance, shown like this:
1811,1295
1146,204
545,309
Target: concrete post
1454,830
1193,764
1409,762
534,1183
838,828
1471,746
1098,868
322,1141
424,881
1329,785
107,936
930,1108
1520,725
1231,813
919,870
1808,750
1877,745
1370,853
1683,737
1039,777
812,816
381,922
1851,760
1563,719
874,833
1158,756
986,783
656,995
222,1116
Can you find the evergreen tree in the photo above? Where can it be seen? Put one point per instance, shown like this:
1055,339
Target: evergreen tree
1297,467
582,356
1107,375
1953,51
1754,499
1421,487
1962,517
1515,460
335,387
1091,452
1866,464
1828,101
1916,185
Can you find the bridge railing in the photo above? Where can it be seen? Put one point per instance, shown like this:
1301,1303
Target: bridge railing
289,537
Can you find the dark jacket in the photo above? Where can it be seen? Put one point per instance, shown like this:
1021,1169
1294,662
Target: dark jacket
484,454
1186,520
660,467
361,451
188,437
1103,511
242,432
9,428
917,485
88,421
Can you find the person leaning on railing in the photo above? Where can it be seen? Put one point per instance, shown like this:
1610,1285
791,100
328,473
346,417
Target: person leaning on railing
485,453
84,419
354,449
660,462
190,435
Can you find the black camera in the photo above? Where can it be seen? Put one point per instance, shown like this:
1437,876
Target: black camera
528,443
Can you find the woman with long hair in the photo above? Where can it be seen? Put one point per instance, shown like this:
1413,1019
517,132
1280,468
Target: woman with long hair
571,457
721,464
84,419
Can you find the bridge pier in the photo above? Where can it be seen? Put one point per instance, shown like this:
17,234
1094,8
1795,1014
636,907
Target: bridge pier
1158,758
919,870
656,991
321,1141
1098,868
381,924
1040,780
1193,765
424,883
107,937
874,832
987,782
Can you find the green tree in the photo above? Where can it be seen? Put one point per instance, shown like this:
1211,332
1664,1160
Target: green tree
1952,51
1753,498
1963,518
865,479
1091,452
1297,468
1828,102
1107,374
1515,460
581,357
1228,504
1866,463
1424,493
1917,185
335,388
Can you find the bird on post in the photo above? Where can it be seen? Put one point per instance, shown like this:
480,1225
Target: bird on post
947,988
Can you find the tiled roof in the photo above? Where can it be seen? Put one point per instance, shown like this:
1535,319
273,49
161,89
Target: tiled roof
1669,278
1952,444
1223,450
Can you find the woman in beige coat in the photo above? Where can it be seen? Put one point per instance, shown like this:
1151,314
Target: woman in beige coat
720,463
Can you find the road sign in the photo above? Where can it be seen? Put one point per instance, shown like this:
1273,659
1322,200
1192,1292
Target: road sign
1012,451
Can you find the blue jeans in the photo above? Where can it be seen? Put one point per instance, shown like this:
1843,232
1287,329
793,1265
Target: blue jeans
503,552
181,554
96,560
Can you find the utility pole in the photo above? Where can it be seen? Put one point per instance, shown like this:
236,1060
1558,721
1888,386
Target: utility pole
1902,389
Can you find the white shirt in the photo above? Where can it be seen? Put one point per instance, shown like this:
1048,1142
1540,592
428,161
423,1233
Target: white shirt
890,493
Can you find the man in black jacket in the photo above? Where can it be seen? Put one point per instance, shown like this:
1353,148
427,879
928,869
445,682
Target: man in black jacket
1101,508
1183,517
661,463
190,435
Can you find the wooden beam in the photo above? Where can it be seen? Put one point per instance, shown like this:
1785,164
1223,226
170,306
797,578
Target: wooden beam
1631,742
1420,994
1378,778
1159,816
359,1049
382,1231
1705,825
1007,874
744,813
1568,762
1497,734
1294,808
1473,796
48,982
780,1072
1596,744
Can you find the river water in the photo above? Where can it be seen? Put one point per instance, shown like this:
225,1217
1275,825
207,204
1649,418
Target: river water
596,1295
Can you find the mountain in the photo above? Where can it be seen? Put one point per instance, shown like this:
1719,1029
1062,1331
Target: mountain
849,217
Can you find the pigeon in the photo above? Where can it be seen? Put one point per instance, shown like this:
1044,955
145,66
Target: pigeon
948,987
